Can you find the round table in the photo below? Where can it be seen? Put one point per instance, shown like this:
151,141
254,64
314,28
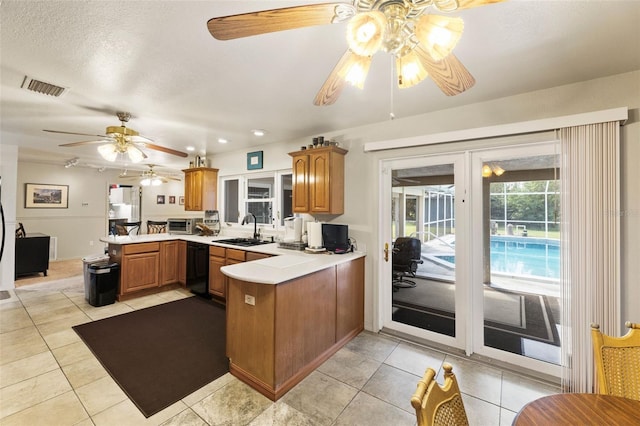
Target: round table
579,409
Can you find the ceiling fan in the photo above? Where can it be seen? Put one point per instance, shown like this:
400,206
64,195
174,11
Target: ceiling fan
121,140
149,177
421,42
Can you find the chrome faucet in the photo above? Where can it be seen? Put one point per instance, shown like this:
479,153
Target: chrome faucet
246,219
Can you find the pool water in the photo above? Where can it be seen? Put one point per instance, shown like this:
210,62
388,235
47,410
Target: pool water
525,256
537,257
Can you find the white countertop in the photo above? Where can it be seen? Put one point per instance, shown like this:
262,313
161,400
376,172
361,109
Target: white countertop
286,264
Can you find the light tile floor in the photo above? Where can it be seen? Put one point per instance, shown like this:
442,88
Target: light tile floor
49,377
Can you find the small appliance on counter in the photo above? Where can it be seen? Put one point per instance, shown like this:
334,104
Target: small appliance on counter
211,223
335,238
292,234
183,226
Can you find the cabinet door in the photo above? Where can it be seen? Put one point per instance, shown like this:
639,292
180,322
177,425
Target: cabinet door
301,184
217,280
193,190
169,262
320,183
139,271
182,262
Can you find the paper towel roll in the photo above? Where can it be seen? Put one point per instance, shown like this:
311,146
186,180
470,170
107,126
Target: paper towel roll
314,234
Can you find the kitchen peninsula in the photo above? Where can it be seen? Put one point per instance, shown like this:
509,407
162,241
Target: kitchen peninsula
286,313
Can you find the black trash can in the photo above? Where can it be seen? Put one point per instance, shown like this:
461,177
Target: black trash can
104,283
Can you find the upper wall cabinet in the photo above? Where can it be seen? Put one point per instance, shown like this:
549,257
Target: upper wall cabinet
318,180
200,189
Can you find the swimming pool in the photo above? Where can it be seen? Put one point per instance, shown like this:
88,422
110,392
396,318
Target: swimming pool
521,256
538,257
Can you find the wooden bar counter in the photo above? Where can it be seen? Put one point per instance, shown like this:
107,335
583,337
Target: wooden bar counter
277,334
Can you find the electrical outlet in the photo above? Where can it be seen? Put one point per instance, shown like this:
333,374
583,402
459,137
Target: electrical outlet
249,300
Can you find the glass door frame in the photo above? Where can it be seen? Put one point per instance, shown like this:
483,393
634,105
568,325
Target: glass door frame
477,159
462,290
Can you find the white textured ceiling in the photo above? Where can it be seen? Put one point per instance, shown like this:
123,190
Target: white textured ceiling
157,60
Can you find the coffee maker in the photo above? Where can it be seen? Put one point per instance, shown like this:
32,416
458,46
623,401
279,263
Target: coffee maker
293,230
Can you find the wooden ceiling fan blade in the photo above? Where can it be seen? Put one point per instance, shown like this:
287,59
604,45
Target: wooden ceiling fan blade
468,4
73,133
449,74
165,149
268,21
333,85
85,143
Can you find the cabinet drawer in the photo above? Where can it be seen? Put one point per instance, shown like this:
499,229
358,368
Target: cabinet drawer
236,254
216,251
140,248
255,256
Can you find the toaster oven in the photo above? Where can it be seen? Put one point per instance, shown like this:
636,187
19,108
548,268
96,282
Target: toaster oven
183,226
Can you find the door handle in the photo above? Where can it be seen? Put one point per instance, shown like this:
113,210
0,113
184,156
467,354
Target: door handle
386,252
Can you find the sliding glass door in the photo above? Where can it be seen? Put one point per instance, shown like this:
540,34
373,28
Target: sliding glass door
516,275
425,293
486,276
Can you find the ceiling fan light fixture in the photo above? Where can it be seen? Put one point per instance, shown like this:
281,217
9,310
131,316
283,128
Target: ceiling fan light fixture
355,69
498,171
365,32
439,35
135,155
108,151
410,70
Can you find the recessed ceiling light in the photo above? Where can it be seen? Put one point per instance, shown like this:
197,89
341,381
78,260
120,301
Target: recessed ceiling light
190,149
222,140
258,132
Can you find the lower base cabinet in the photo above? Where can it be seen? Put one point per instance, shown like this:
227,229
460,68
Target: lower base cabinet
146,267
291,328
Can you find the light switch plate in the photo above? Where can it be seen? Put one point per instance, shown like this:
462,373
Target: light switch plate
249,300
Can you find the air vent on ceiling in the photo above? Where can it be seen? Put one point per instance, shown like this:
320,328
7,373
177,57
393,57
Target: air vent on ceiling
42,87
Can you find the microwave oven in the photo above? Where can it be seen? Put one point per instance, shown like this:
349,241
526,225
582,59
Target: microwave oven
183,226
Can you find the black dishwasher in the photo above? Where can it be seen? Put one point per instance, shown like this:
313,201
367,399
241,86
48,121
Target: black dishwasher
198,268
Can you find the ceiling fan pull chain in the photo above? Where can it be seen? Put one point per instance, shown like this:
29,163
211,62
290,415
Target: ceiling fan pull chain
391,114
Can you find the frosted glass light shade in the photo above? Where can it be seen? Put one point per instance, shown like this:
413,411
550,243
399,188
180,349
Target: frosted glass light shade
410,70
108,152
439,35
135,155
486,171
365,32
355,69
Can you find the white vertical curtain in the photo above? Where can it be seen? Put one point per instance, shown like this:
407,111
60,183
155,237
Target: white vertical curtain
590,204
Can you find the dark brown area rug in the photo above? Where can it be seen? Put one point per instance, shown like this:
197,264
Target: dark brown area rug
161,354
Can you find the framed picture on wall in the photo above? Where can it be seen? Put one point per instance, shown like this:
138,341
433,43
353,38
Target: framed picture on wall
172,199
160,199
254,160
181,200
45,196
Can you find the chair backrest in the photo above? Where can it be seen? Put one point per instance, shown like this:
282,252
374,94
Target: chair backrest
406,250
156,227
439,405
617,361
128,228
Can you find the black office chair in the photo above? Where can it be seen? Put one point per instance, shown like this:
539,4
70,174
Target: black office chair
406,257
156,227
128,228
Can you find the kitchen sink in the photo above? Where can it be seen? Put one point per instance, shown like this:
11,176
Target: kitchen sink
243,242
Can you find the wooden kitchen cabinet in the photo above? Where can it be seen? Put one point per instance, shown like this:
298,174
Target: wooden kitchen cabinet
318,180
217,280
140,267
169,262
182,263
200,188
